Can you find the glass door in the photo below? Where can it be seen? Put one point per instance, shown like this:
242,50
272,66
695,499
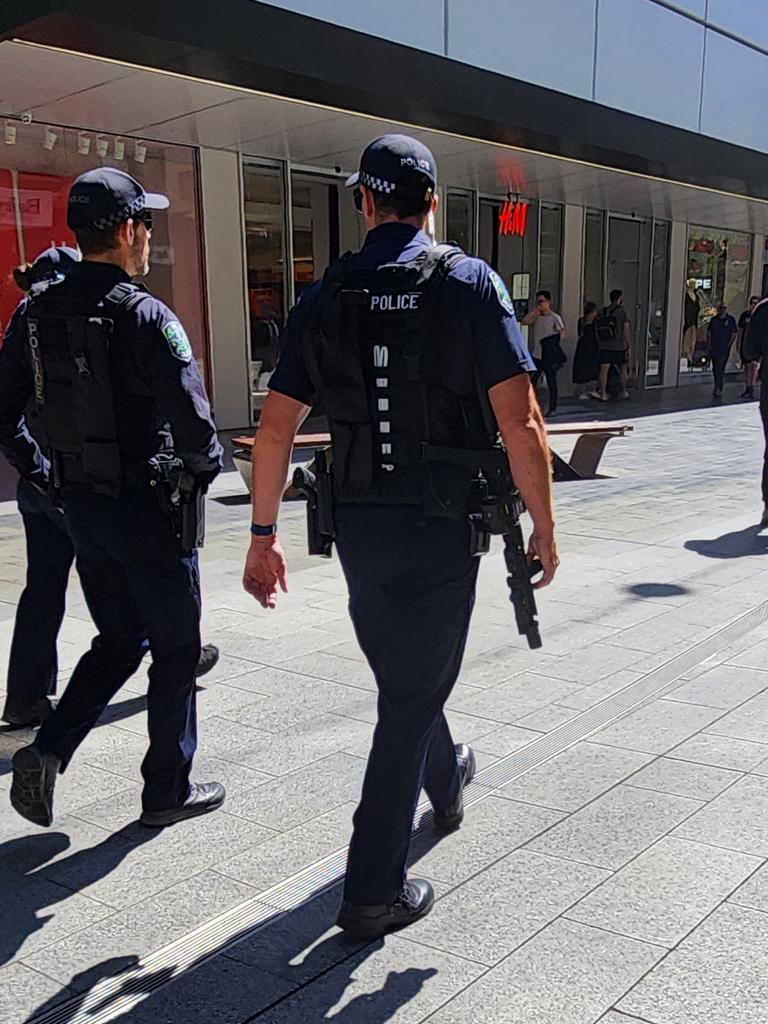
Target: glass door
325,224
657,305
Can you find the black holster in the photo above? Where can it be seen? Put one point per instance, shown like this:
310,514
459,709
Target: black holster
317,488
181,498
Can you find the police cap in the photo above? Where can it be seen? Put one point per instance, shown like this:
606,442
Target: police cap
397,165
106,196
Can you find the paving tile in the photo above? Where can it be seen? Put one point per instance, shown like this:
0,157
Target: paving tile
581,700
666,891
715,976
504,739
502,663
536,889
141,928
119,874
222,990
591,665
749,722
754,656
23,991
657,727
325,665
721,752
573,778
724,686
754,892
115,751
511,700
737,819
655,636
548,718
616,827
284,854
304,794
397,981
491,829
568,974
683,778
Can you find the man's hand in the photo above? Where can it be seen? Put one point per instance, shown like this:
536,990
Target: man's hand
264,568
543,547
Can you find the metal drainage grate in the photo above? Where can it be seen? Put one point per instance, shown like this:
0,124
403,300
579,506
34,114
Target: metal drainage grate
112,997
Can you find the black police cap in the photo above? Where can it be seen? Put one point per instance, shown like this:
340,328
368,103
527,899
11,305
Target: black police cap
106,196
397,165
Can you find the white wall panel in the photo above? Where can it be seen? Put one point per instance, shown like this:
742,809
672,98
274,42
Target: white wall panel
416,23
746,18
547,42
649,61
735,87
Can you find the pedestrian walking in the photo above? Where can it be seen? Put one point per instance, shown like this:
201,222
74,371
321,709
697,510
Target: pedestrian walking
33,664
721,334
755,348
547,335
751,366
124,413
393,341
586,359
614,338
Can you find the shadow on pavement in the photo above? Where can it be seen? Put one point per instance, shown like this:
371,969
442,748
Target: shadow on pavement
660,590
738,544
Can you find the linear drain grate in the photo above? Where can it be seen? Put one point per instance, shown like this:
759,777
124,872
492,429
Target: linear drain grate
112,997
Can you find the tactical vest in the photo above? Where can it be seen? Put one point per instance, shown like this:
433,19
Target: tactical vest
375,352
69,340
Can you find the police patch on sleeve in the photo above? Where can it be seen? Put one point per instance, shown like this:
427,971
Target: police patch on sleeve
501,291
178,342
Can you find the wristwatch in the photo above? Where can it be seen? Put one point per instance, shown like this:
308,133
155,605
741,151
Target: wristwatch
263,531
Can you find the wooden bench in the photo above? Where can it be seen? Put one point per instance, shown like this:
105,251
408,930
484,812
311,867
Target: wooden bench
591,439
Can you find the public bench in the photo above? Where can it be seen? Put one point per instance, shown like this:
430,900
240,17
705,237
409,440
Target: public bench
591,439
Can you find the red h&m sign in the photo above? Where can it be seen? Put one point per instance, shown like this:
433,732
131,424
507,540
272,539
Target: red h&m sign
513,218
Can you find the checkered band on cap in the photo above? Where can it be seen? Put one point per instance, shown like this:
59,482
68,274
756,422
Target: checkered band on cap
120,215
376,184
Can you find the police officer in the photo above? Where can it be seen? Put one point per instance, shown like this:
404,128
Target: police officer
392,341
755,351
33,660
112,377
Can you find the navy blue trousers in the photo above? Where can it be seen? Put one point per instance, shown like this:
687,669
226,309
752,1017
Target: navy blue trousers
33,662
137,583
411,591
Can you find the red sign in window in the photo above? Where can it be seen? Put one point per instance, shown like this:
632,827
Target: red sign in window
513,218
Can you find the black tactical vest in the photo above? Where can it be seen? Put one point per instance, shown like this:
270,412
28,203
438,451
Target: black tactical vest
70,340
375,352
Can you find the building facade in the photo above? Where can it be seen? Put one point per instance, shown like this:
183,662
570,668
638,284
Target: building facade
582,145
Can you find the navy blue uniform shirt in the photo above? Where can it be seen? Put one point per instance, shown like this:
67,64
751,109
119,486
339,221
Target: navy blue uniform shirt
473,299
721,331
160,400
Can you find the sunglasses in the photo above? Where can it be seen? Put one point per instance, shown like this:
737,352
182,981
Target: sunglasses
143,217
357,195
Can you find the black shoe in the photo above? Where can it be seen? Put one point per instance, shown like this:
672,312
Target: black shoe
28,716
203,798
371,922
450,818
34,778
209,656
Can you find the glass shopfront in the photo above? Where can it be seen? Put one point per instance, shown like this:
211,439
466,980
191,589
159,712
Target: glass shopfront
37,166
460,218
718,270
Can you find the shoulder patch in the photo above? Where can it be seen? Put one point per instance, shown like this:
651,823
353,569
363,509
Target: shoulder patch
178,342
501,292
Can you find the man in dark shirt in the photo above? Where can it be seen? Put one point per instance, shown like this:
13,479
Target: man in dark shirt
751,366
722,332
95,336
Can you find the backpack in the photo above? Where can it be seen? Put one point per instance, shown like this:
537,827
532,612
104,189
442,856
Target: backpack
606,326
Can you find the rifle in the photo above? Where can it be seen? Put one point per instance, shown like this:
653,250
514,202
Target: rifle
181,498
317,488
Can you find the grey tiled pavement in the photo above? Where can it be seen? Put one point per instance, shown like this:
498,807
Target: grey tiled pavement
623,880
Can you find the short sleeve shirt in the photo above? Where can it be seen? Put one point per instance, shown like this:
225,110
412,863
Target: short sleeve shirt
475,302
722,330
544,326
616,344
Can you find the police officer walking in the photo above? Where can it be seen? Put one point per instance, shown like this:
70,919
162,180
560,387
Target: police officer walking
403,344
112,377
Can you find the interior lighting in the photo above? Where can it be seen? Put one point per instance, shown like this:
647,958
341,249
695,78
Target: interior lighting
83,144
102,146
140,152
50,139
10,134
119,149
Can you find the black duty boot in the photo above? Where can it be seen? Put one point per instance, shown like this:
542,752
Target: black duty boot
450,818
34,778
371,922
27,715
209,656
203,798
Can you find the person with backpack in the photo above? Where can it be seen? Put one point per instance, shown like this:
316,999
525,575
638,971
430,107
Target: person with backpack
614,341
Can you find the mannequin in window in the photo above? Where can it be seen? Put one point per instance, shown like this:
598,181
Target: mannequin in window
690,319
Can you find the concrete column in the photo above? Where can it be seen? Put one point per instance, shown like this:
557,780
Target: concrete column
573,261
758,250
225,262
678,267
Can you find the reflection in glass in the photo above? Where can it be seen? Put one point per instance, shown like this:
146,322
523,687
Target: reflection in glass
594,257
508,254
460,219
657,307
325,224
265,253
551,250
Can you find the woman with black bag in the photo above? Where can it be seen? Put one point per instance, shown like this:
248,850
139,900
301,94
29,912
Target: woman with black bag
586,360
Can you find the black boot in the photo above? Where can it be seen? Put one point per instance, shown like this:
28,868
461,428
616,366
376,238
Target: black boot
209,656
27,715
450,818
361,921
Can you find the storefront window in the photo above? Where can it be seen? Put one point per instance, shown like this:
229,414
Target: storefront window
325,224
719,265
265,252
657,307
36,170
460,219
551,250
512,254
594,257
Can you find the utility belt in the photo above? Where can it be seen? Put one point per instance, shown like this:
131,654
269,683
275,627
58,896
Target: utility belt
493,508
